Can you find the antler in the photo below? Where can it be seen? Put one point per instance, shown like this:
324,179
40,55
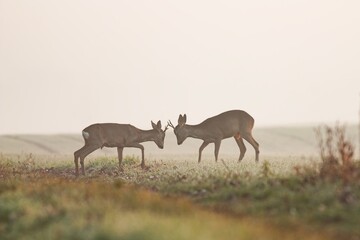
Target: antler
166,127
170,124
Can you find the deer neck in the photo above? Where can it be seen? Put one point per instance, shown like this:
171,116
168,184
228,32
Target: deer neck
146,135
196,131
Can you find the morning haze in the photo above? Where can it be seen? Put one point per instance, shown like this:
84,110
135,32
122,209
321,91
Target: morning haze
67,64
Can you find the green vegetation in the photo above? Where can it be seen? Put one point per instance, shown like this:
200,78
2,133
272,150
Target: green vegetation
41,199
288,198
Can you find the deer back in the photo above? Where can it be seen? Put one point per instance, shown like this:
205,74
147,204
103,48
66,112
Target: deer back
109,134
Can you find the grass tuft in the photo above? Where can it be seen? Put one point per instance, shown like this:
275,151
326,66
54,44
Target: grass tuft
337,154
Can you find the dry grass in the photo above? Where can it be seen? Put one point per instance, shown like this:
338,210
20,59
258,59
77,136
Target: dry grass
40,198
288,197
337,154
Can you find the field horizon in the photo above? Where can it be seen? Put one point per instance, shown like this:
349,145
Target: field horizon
280,140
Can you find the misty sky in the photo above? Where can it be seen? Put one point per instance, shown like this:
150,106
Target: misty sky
67,64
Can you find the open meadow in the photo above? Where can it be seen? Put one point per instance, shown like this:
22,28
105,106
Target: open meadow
179,120
290,194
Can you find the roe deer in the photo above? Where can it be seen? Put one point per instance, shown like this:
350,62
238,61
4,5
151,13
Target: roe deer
117,135
235,123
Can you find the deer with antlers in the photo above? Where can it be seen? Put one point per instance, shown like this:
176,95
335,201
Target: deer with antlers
236,123
117,135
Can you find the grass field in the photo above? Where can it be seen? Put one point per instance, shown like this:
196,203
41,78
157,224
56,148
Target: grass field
285,196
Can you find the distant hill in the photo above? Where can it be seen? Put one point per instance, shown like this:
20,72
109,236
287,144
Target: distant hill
272,140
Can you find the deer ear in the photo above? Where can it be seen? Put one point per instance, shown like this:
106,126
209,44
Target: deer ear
153,125
180,119
158,124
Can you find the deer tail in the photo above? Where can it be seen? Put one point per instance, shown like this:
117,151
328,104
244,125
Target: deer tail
86,135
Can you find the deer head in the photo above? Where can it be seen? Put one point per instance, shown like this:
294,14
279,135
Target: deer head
160,136
180,130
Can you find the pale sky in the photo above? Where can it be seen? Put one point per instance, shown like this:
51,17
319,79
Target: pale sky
66,64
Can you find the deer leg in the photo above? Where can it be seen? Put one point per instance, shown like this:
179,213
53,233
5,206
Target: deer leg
77,154
217,147
120,155
138,145
248,137
242,147
203,145
76,161
142,156
86,151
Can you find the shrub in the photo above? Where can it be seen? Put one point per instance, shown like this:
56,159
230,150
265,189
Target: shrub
336,153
